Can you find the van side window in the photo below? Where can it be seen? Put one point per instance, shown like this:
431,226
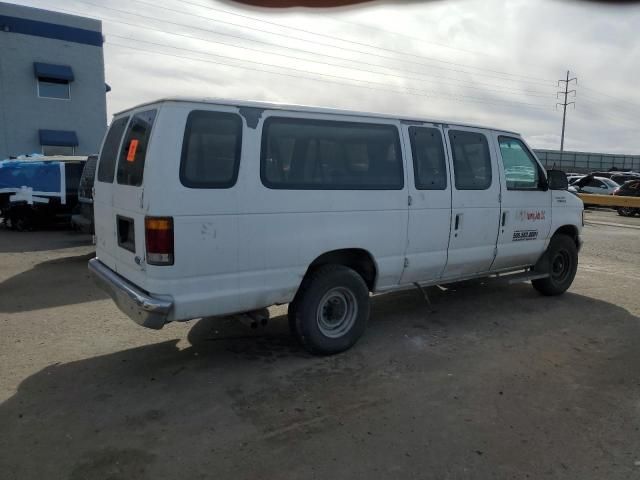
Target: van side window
521,170
211,150
429,163
330,155
134,149
471,160
109,153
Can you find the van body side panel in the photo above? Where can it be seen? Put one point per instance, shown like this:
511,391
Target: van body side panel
248,246
204,278
283,231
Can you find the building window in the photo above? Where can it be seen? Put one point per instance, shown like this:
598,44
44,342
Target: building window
58,142
53,80
52,88
50,150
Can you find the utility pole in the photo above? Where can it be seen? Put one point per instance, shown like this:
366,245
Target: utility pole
564,104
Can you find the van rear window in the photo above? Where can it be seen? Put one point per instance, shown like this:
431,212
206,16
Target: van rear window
109,153
211,150
134,149
330,155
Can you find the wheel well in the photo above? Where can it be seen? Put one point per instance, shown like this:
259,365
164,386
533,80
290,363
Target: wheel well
570,231
355,258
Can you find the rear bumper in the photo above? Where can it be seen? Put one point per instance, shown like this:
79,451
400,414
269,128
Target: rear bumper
141,307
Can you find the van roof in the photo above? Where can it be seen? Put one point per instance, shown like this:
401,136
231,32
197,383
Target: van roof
305,108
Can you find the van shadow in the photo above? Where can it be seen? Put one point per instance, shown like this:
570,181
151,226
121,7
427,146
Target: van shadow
54,283
43,240
121,415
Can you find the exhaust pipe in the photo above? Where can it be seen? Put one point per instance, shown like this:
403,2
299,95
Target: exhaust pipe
254,318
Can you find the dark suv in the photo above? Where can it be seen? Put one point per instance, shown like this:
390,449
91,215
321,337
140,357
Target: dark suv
629,189
82,218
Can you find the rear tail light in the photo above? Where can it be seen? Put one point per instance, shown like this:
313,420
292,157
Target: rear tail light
158,232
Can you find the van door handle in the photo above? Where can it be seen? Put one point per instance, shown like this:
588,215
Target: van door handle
504,218
457,221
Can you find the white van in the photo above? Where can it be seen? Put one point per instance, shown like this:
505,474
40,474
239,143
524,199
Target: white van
218,207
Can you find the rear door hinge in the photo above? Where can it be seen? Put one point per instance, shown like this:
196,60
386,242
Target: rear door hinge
495,252
409,200
406,262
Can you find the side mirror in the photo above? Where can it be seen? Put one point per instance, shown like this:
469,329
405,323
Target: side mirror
557,180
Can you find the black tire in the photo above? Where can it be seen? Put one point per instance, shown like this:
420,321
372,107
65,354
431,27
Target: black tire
561,261
330,311
625,211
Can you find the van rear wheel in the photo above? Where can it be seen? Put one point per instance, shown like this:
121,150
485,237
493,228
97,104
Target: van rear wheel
562,264
331,310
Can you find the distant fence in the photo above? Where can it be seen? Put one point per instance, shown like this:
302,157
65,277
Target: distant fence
584,162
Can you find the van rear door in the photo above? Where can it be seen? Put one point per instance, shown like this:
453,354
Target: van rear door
103,192
128,195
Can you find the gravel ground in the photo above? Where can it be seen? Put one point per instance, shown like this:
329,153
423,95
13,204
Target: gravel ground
497,382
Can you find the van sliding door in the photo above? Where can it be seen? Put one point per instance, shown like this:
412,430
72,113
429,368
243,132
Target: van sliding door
429,187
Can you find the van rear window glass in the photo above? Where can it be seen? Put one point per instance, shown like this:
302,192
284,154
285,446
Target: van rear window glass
134,149
211,150
109,153
328,155
429,161
471,160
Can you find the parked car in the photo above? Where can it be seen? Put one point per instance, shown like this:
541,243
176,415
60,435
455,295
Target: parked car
620,178
39,192
82,217
215,208
630,188
595,185
574,178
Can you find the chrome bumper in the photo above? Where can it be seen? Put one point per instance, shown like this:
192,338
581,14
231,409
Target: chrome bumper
143,309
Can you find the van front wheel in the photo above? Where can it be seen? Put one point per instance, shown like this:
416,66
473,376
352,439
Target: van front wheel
331,310
561,260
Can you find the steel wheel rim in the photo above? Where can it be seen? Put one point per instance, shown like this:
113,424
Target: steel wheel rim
560,266
337,312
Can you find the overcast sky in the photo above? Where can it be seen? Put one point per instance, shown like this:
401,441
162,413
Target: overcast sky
492,62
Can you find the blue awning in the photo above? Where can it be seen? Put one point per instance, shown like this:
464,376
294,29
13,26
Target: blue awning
60,138
49,70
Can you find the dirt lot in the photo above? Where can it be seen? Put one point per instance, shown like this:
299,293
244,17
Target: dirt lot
498,382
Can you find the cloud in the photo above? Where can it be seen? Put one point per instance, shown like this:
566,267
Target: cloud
449,55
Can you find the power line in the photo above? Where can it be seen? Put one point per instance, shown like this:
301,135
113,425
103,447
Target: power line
471,86
369,82
400,91
412,37
332,37
303,39
621,104
600,112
